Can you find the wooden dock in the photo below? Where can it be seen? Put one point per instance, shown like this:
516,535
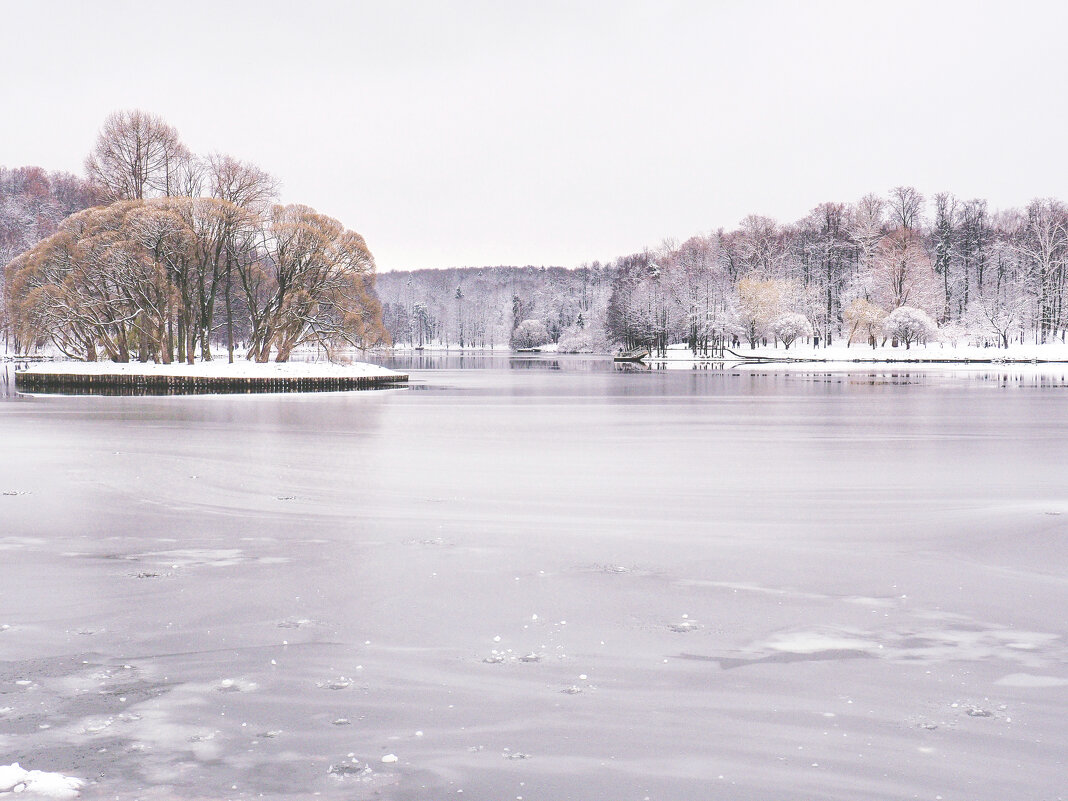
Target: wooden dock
140,384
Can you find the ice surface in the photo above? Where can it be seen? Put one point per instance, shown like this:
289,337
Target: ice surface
867,569
1031,680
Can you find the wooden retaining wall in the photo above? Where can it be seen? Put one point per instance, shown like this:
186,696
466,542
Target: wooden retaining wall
118,384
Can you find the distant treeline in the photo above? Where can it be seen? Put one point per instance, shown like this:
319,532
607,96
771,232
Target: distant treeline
482,307
33,203
957,270
899,266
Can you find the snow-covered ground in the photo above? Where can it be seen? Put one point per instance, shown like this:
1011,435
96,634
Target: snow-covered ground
840,352
215,369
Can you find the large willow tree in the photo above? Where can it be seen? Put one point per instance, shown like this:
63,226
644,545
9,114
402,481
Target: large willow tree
143,278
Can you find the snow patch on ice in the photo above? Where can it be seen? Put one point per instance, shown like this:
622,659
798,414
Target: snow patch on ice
16,779
812,642
1031,680
684,626
235,686
340,683
14,543
195,557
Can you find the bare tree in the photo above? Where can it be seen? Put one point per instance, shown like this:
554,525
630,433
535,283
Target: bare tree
906,207
250,190
137,155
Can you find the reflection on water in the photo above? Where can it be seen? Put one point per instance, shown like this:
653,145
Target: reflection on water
7,380
404,360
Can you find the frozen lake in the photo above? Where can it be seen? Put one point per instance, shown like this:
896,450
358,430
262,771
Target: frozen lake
547,579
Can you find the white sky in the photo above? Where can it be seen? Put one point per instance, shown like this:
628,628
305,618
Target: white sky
477,133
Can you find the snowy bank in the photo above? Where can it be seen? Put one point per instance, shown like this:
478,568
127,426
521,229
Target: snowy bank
204,377
865,354
37,783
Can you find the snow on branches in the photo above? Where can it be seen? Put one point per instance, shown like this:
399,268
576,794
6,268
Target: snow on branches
909,324
790,326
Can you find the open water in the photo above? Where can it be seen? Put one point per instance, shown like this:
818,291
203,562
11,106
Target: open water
544,578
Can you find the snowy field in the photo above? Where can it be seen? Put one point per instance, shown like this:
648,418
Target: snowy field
544,578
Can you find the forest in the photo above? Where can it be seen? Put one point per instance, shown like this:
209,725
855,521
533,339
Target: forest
158,254
161,255
894,267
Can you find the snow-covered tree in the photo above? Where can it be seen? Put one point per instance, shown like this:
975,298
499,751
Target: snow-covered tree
760,302
902,272
863,316
582,339
998,315
788,327
909,324
530,334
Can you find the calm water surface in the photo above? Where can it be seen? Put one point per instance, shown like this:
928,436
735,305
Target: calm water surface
544,578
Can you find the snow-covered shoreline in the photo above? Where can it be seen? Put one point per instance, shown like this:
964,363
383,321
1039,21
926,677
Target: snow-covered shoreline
936,353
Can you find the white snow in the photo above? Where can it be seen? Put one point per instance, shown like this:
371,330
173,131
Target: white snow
1030,680
16,779
235,686
810,642
860,353
219,368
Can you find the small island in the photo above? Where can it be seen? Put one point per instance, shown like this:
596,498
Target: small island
174,257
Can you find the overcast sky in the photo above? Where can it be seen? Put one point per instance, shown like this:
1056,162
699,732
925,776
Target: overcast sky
470,133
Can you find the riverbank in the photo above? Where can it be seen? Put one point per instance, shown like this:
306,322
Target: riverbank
935,353
202,377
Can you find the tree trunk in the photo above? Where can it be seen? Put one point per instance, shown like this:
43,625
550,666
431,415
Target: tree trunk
229,313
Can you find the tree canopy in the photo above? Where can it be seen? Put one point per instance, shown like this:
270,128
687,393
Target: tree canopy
141,278
183,252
